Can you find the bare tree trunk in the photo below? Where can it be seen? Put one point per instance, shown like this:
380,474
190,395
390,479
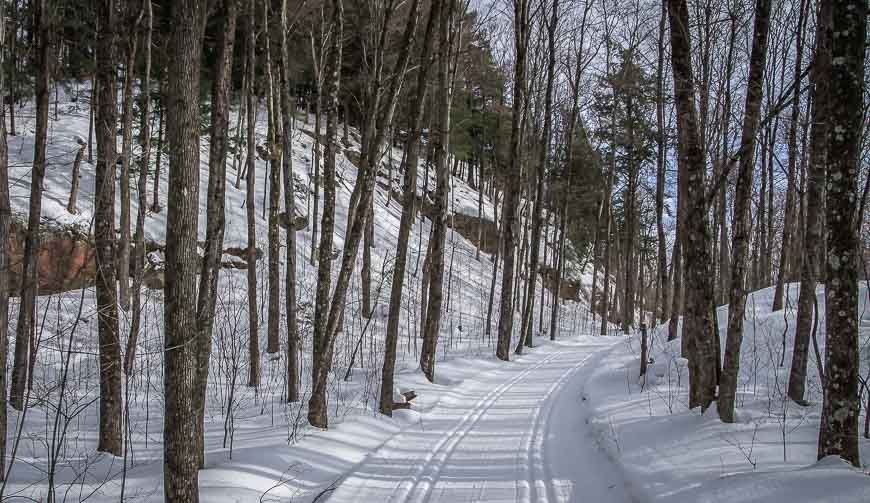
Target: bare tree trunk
250,210
495,260
25,343
661,147
5,219
180,454
368,304
520,293
238,165
698,323
215,213
155,197
287,112
559,260
424,284
790,222
13,73
439,220
409,200
141,188
768,255
373,138
811,265
742,211
480,215
596,260
616,304
273,323
605,281
537,224
316,158
838,433
126,158
104,232
676,299
511,201
605,211
74,184
321,351
630,210
547,244
722,199
92,107
762,256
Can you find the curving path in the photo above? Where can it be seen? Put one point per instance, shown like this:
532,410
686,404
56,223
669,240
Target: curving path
514,435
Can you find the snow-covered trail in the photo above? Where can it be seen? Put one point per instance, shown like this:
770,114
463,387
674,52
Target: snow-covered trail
517,434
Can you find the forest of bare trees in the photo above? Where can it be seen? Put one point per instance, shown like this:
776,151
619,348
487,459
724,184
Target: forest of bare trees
417,171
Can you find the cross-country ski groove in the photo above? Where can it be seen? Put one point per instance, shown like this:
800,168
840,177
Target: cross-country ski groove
494,450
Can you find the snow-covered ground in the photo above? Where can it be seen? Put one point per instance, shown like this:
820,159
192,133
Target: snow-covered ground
569,421
513,432
256,444
673,454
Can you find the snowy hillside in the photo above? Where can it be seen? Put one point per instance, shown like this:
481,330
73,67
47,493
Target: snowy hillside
636,440
242,425
672,454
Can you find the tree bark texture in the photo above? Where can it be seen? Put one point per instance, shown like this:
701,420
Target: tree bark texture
742,225
512,192
698,323
215,211
180,454
838,434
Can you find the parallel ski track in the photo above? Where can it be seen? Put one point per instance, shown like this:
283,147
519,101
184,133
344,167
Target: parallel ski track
419,486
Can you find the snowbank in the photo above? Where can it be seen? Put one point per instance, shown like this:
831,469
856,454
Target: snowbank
670,453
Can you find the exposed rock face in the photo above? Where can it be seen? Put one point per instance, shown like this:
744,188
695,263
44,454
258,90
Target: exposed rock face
471,227
242,253
300,221
484,233
570,289
66,259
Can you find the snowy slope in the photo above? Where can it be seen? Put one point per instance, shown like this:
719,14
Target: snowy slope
256,444
674,454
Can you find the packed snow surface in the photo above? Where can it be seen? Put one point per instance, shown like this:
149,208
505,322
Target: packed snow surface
515,432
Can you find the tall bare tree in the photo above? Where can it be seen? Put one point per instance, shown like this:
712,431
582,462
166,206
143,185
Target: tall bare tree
321,350
131,44
104,230
273,311
815,186
441,142
287,111
215,210
698,319
180,452
742,208
787,261
25,330
512,194
5,219
381,110
540,173
661,153
250,210
141,188
409,200
838,433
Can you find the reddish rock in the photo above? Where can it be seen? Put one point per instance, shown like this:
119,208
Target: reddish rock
66,260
